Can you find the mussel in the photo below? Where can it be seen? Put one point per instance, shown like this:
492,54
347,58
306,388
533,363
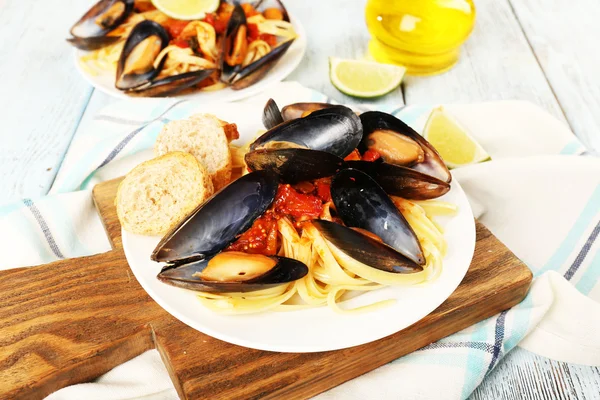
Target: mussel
360,202
193,248
233,271
295,165
336,130
242,64
360,248
138,71
273,116
398,143
91,31
402,181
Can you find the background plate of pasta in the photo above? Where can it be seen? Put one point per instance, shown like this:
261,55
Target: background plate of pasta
328,229
130,49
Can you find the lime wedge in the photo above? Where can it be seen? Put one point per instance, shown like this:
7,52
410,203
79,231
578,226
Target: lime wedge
364,79
454,143
186,9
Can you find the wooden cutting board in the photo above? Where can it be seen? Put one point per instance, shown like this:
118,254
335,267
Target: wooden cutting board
72,320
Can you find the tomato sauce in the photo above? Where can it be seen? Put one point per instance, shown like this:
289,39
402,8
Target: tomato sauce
299,202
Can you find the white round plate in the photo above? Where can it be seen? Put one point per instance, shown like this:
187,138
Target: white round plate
105,82
317,329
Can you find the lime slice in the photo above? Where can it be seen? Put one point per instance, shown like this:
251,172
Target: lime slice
364,79
454,143
186,9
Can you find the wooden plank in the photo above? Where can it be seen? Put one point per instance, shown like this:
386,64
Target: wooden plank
564,36
72,320
42,95
524,375
496,64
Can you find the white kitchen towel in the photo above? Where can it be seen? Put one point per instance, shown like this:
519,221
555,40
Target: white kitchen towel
537,195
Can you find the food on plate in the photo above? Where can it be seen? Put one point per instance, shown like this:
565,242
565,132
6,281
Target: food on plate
205,137
329,208
152,54
159,193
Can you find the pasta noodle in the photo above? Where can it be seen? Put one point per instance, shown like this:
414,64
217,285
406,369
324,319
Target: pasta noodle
332,273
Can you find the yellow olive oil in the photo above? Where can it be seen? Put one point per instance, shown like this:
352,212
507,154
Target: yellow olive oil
423,35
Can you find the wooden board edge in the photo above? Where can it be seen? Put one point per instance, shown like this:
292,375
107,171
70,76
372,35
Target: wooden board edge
87,367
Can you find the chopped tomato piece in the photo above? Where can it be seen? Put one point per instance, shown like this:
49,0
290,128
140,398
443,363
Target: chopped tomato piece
324,191
354,156
290,202
253,32
219,22
249,10
175,27
181,43
270,39
261,238
371,155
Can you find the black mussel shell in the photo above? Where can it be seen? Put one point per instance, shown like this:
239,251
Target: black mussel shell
296,110
252,73
287,270
295,165
432,164
170,85
140,32
93,43
365,249
360,202
237,19
212,226
271,115
93,26
336,130
402,181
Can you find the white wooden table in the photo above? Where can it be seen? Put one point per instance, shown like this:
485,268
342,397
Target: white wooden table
544,51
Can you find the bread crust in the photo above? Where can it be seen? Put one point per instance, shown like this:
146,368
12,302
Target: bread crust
205,137
151,199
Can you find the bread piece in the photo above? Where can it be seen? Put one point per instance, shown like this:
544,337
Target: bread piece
158,194
203,136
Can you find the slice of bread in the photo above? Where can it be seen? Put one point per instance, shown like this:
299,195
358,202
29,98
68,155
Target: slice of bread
159,193
204,137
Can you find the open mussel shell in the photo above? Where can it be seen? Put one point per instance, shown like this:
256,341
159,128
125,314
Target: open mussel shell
378,124
364,249
188,276
360,202
234,49
295,165
402,181
336,130
212,226
89,33
262,5
255,71
271,115
136,63
170,85
299,110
